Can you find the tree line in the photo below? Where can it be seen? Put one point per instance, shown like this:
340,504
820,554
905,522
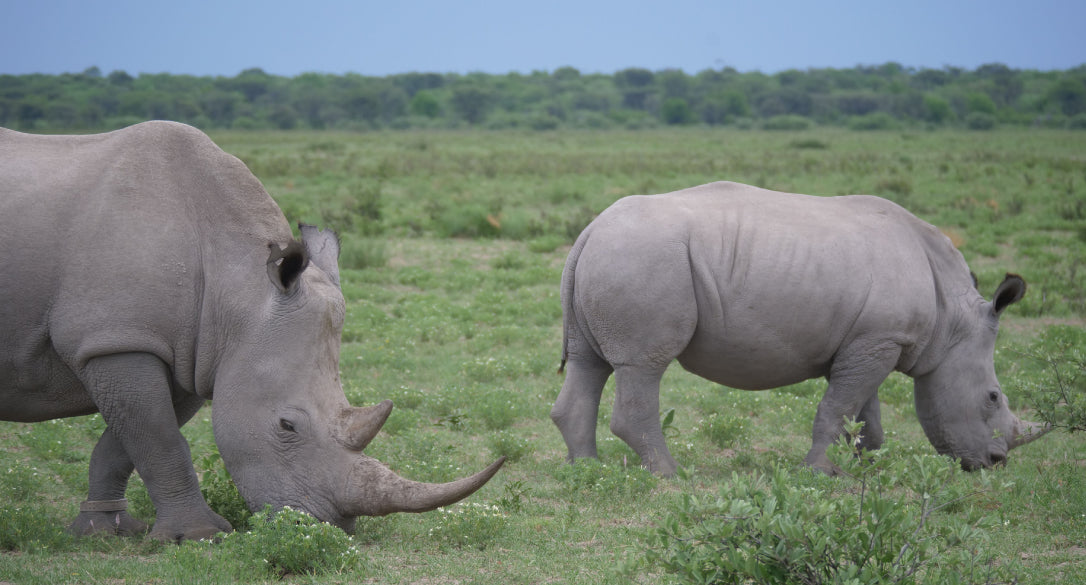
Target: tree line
864,97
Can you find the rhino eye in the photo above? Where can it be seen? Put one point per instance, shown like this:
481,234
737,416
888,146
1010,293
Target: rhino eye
286,425
993,396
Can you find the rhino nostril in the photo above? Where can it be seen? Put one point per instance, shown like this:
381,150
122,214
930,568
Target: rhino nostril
997,459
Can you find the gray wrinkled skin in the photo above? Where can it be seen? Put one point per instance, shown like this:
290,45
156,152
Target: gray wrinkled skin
756,289
148,271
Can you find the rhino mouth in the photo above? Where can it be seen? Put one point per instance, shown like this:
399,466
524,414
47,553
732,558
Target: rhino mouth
994,459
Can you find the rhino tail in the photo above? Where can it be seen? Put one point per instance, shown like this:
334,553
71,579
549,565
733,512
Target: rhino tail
568,285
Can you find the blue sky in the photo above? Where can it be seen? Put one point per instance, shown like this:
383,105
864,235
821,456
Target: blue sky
221,37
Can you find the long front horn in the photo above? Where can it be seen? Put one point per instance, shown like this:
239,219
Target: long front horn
1025,432
375,490
358,426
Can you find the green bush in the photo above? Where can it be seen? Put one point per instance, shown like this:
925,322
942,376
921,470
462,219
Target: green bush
980,121
360,253
219,490
676,111
506,444
787,122
875,121
290,541
1058,392
937,110
800,527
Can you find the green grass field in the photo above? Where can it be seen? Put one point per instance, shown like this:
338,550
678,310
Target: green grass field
453,249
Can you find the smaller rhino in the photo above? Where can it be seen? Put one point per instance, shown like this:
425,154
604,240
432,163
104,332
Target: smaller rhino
757,289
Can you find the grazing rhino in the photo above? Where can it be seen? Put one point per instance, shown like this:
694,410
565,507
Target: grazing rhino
149,271
757,289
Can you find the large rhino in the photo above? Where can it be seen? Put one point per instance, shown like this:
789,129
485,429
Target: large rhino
757,289
148,271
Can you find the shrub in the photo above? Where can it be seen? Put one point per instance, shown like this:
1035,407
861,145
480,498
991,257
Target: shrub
506,444
809,143
466,221
876,121
980,121
1058,393
219,490
937,110
787,122
290,541
360,253
803,528
676,111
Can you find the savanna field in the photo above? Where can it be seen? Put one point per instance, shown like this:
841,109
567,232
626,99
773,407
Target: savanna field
453,246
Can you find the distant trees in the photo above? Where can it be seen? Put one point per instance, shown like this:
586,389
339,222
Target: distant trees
880,96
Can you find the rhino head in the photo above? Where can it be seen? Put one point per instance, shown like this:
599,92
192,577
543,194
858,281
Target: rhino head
285,430
960,403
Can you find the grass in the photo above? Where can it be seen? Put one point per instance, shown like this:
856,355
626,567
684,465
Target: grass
456,244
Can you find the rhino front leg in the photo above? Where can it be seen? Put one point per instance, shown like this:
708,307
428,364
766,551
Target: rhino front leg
578,405
636,416
852,393
872,436
132,391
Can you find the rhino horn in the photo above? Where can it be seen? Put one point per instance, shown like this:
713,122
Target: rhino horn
378,491
1025,432
358,426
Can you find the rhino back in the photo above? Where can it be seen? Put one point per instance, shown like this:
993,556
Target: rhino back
117,240
777,283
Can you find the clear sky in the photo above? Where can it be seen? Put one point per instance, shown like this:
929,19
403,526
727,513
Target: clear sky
224,37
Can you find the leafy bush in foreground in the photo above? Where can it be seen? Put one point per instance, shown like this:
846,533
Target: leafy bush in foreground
292,542
795,527
1058,394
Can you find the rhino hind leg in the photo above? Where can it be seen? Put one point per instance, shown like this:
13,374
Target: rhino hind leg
105,511
577,408
636,416
132,392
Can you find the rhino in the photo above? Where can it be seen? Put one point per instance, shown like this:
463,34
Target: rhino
148,272
757,289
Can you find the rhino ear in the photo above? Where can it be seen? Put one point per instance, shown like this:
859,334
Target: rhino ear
1010,291
323,247
285,265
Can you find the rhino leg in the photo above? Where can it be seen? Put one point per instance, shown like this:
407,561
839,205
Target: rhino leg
852,393
132,391
872,436
636,416
578,405
110,470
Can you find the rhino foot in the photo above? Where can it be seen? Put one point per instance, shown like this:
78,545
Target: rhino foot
818,461
190,527
118,523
